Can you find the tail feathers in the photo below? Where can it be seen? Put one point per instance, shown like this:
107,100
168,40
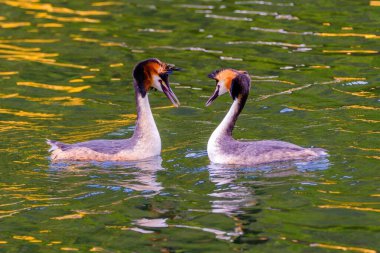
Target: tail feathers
54,145
320,151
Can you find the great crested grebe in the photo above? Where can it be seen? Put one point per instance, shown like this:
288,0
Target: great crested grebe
146,141
223,149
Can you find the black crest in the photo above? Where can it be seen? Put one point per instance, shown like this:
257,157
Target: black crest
213,74
240,85
139,74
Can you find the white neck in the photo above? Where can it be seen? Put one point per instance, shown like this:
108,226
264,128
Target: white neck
146,132
227,123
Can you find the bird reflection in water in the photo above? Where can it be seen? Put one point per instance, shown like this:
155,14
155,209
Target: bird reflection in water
137,176
235,186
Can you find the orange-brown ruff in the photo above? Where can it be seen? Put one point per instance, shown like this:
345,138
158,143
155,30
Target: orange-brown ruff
146,141
223,149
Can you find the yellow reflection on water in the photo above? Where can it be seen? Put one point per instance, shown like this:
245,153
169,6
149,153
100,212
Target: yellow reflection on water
50,25
66,19
69,249
115,65
9,73
112,44
66,101
362,107
69,89
17,53
92,29
78,80
349,78
367,36
78,215
16,126
109,3
374,157
27,53
34,5
364,94
85,39
368,120
351,51
69,217
330,192
26,238
36,115
13,24
30,41
96,249
344,248
366,149
24,49
356,208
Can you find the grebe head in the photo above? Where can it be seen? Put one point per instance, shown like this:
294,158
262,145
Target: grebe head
153,73
237,82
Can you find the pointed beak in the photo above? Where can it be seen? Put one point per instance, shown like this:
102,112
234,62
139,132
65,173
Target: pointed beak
170,94
213,97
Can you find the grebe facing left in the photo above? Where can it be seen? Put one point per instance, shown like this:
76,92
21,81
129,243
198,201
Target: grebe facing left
146,141
223,149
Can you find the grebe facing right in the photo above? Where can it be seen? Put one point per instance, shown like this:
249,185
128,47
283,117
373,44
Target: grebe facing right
223,149
145,141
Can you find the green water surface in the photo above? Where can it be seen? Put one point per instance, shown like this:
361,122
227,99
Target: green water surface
65,74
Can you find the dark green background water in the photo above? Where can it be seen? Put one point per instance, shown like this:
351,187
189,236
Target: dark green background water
65,74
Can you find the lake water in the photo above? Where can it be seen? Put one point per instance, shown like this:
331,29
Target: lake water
65,74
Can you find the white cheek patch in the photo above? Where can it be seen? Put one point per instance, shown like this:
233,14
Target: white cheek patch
222,87
156,82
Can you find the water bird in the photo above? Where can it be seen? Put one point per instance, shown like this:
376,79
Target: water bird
222,148
145,141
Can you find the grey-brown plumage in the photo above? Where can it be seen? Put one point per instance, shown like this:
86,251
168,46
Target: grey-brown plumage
224,149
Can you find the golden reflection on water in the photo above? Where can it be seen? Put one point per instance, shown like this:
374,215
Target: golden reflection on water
69,89
65,101
43,41
9,73
366,149
69,249
344,248
26,238
106,3
35,5
367,36
13,24
17,126
364,94
66,19
359,107
92,29
369,209
78,80
35,115
79,214
17,53
368,120
330,246
351,51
